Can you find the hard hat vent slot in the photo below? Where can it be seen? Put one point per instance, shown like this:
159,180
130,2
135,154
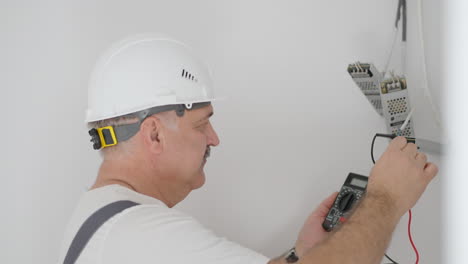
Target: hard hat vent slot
189,76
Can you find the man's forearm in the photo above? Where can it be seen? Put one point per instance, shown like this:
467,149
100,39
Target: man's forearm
396,183
363,239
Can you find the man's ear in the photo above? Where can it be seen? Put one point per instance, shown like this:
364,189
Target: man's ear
153,134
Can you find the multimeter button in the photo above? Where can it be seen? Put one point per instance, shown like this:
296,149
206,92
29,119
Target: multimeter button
342,219
346,202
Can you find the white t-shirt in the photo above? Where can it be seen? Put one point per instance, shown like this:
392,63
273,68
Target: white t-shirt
150,233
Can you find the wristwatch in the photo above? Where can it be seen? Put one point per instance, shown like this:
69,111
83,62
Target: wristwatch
291,256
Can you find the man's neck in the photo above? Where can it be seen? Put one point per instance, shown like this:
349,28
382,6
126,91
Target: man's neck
101,183
138,180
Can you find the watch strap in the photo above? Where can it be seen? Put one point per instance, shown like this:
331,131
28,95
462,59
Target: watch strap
291,256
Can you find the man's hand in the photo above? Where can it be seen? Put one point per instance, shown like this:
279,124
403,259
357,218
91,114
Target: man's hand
312,232
396,182
401,174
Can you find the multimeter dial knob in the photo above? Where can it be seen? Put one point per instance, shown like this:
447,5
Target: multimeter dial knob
346,202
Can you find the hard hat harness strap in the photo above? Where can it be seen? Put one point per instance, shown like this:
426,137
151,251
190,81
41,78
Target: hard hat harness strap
111,135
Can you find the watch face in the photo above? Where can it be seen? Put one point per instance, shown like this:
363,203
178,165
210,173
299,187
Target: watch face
291,256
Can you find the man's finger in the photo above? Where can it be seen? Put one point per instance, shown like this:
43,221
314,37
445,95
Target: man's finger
398,143
431,170
421,158
329,201
325,206
411,149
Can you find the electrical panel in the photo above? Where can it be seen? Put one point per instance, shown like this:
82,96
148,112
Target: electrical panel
396,105
388,97
368,79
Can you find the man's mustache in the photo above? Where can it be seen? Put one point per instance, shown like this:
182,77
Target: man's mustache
207,152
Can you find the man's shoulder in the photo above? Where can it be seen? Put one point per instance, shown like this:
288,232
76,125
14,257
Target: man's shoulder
152,231
138,224
151,219
148,212
147,233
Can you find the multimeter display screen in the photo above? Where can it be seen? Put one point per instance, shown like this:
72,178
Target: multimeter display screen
359,183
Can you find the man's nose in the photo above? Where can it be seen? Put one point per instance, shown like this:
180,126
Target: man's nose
213,139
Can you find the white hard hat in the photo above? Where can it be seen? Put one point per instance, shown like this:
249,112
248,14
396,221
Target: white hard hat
143,72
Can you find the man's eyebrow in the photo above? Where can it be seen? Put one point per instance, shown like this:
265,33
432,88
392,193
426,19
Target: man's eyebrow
210,114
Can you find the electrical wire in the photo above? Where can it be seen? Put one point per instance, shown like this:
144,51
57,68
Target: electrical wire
406,120
372,149
403,58
390,136
389,258
411,238
400,15
389,58
427,93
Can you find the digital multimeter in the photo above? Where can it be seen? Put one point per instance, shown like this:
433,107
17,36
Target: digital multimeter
352,191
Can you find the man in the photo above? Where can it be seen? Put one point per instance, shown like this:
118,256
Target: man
149,107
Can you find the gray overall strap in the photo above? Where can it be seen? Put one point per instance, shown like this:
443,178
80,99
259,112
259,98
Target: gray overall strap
91,225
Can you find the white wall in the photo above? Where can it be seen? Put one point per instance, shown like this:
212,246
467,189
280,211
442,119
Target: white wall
293,127
455,62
